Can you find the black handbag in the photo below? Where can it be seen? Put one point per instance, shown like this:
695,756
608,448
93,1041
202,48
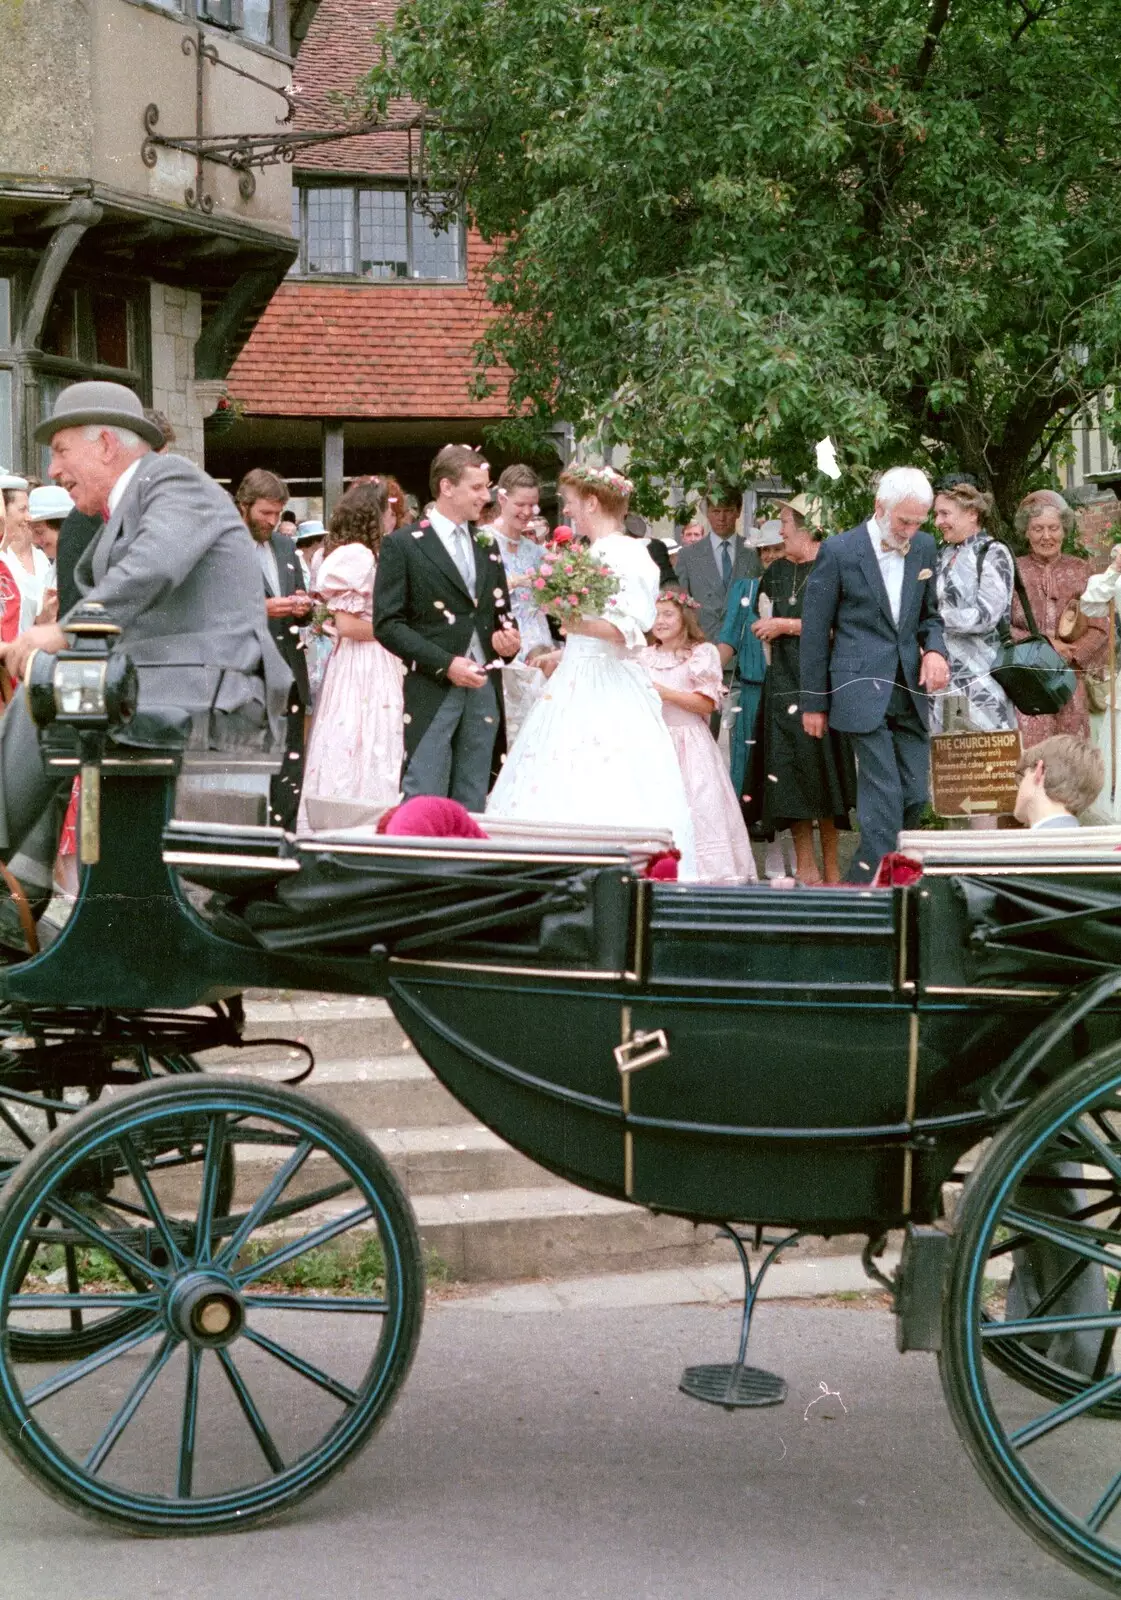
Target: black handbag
1031,671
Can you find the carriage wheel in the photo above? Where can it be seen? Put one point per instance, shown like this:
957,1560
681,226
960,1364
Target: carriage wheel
1048,1196
83,1336
264,1343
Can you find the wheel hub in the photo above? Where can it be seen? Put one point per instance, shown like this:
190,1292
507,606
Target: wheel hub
206,1309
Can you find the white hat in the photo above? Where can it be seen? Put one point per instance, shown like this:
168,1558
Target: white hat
311,529
770,533
51,503
9,480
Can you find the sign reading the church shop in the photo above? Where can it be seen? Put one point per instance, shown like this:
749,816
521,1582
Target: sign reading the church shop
974,774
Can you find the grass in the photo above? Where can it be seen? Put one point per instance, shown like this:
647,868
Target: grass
328,1269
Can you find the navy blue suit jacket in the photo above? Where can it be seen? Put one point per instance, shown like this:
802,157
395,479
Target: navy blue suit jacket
852,653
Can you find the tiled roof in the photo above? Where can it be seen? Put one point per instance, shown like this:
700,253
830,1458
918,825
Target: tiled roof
340,48
367,350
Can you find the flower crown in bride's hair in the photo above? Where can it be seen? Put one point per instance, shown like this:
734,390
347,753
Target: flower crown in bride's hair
610,477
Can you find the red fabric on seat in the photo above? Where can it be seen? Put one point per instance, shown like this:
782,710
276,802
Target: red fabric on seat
895,871
431,816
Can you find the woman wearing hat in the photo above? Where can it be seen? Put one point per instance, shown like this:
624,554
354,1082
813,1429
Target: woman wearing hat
738,644
796,781
28,566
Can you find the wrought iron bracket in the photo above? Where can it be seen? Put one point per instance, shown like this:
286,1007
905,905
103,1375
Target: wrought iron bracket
244,152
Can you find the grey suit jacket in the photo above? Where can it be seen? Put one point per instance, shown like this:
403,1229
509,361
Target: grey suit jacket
699,576
175,568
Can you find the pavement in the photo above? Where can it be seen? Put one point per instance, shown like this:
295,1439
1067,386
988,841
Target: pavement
541,1450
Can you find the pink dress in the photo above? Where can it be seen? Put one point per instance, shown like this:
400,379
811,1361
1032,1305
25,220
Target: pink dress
723,848
357,738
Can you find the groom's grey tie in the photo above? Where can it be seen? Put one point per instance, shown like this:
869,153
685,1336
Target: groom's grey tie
465,558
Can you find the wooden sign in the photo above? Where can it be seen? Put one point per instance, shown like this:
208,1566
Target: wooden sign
974,774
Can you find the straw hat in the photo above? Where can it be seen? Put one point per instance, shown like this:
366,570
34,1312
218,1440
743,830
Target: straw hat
105,405
804,507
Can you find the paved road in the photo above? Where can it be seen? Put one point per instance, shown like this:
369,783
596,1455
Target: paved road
549,1456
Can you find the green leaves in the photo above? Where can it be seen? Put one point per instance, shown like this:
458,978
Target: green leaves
727,229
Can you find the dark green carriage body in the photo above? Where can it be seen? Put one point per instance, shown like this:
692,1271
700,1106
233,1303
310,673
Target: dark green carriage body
820,1058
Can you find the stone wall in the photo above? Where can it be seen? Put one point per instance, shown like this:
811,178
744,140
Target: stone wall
176,322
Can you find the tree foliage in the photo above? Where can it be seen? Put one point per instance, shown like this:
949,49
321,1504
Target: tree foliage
726,228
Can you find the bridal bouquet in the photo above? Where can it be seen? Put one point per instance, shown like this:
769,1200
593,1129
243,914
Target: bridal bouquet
570,582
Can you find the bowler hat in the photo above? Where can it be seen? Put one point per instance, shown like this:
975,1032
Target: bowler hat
105,405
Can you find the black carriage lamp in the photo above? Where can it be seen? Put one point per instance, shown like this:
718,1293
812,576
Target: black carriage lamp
91,688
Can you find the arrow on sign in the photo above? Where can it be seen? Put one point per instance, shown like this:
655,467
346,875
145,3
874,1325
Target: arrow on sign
970,806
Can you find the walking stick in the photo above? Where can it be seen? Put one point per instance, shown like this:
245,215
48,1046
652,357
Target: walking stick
1112,702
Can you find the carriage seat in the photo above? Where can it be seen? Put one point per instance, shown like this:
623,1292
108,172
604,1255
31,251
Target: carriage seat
973,851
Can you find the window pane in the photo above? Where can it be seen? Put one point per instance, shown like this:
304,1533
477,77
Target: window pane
330,230
256,20
436,254
50,387
59,336
7,454
5,313
110,329
297,203
383,233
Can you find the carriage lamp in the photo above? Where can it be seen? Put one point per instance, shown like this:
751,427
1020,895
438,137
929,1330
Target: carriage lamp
91,688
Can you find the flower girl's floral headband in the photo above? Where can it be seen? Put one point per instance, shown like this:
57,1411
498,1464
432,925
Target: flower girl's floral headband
608,476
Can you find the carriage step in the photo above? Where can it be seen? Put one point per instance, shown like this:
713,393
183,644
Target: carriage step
733,1386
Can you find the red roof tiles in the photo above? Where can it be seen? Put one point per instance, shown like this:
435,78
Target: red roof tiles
361,350
341,48
367,350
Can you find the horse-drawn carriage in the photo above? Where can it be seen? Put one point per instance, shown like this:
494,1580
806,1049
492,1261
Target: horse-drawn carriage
940,1058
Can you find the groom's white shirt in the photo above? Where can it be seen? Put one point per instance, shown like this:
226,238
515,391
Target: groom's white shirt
445,530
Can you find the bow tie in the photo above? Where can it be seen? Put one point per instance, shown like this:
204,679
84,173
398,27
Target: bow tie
891,548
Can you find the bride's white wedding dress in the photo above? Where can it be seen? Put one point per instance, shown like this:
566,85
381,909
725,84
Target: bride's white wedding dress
595,747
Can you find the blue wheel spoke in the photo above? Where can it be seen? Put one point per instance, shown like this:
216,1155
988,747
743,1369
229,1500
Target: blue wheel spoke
185,1474
299,1247
245,1400
362,1304
1050,1420
124,1415
1082,1243
82,1369
1102,1153
148,1195
124,1254
211,1178
1029,1327
264,1202
1105,1506
117,1301
305,1368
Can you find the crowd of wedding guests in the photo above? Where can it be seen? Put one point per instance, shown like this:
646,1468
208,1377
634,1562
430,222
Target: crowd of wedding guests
719,644
423,665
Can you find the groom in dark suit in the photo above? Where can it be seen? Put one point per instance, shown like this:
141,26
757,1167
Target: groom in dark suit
442,605
872,653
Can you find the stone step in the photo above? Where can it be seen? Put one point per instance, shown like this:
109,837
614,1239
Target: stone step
554,1232
338,1029
437,1160
395,1092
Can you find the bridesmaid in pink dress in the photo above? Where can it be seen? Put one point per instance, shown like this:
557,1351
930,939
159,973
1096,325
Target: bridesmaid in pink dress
357,737
688,676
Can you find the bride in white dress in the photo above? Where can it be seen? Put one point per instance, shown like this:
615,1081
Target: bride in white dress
595,748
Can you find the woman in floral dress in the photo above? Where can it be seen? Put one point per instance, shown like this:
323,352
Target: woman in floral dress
975,586
357,737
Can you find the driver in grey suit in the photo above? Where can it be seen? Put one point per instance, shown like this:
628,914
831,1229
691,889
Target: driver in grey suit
174,567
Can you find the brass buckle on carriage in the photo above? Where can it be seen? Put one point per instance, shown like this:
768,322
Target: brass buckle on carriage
642,1050
91,688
